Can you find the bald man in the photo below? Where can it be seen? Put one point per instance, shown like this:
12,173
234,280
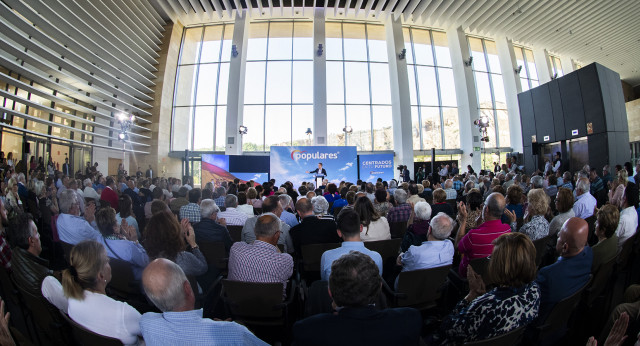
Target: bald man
571,271
168,288
478,242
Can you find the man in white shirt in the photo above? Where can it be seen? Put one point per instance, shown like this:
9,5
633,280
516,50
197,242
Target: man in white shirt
628,216
448,188
585,203
437,251
72,228
558,163
231,214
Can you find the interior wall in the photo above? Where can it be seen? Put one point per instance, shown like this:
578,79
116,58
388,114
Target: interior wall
633,117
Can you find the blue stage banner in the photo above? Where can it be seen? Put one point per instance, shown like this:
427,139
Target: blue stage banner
376,166
292,163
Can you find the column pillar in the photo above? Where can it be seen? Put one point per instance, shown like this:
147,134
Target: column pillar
400,102
568,64
319,80
545,70
235,95
467,98
512,87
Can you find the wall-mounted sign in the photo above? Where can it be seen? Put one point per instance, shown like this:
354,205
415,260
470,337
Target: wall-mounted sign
574,132
533,139
589,128
546,138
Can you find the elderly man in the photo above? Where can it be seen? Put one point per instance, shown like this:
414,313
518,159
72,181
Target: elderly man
349,228
231,214
221,192
448,188
537,182
354,286
211,228
628,216
72,228
437,251
585,203
597,184
180,200
571,271
286,216
270,204
478,242
168,288
261,261
402,211
109,193
89,191
311,230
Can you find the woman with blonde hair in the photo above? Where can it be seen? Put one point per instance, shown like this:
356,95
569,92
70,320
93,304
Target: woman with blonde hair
14,204
536,226
616,191
252,198
84,284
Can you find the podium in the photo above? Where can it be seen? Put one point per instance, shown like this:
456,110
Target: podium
319,179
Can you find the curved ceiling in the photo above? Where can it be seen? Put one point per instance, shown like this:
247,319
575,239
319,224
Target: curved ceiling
607,32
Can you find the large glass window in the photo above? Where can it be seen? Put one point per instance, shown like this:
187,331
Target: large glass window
434,109
492,103
556,65
528,72
278,97
200,111
358,86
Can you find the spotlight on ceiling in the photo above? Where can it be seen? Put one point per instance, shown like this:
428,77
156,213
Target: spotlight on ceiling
242,130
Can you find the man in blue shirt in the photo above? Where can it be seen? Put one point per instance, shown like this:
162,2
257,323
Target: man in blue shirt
349,228
571,272
179,324
73,228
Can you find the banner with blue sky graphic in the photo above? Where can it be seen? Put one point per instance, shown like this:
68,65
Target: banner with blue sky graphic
376,166
291,163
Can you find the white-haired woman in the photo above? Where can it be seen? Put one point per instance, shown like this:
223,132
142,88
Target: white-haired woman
89,191
417,230
320,208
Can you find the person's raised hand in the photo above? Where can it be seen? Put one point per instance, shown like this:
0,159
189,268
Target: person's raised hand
222,221
462,210
476,284
5,335
617,334
90,212
511,215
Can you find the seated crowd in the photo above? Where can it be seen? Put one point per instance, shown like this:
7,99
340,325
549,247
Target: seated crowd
515,247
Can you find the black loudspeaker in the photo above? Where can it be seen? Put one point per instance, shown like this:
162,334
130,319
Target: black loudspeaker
556,108
592,97
26,148
542,111
527,118
572,107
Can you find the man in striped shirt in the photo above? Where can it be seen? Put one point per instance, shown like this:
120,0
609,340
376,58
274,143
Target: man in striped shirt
261,261
478,242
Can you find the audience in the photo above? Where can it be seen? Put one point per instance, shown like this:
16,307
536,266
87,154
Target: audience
616,190
165,238
585,203
513,303
375,227
84,284
564,203
27,267
440,204
381,205
628,216
515,203
121,241
311,230
402,211
573,268
191,210
232,216
211,228
474,209
167,287
126,213
109,193
261,261
536,226
418,230
286,216
72,228
436,251
478,242
272,205
354,286
349,229
607,247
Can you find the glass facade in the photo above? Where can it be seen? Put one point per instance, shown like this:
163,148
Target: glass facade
358,86
278,95
201,89
528,72
556,65
490,91
434,109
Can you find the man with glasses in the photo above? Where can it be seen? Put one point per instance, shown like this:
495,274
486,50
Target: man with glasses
72,228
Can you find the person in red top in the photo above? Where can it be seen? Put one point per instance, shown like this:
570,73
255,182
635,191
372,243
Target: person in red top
109,193
478,242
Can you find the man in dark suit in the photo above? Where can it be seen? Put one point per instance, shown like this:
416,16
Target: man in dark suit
571,271
406,175
66,168
149,173
210,230
311,230
319,170
354,286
